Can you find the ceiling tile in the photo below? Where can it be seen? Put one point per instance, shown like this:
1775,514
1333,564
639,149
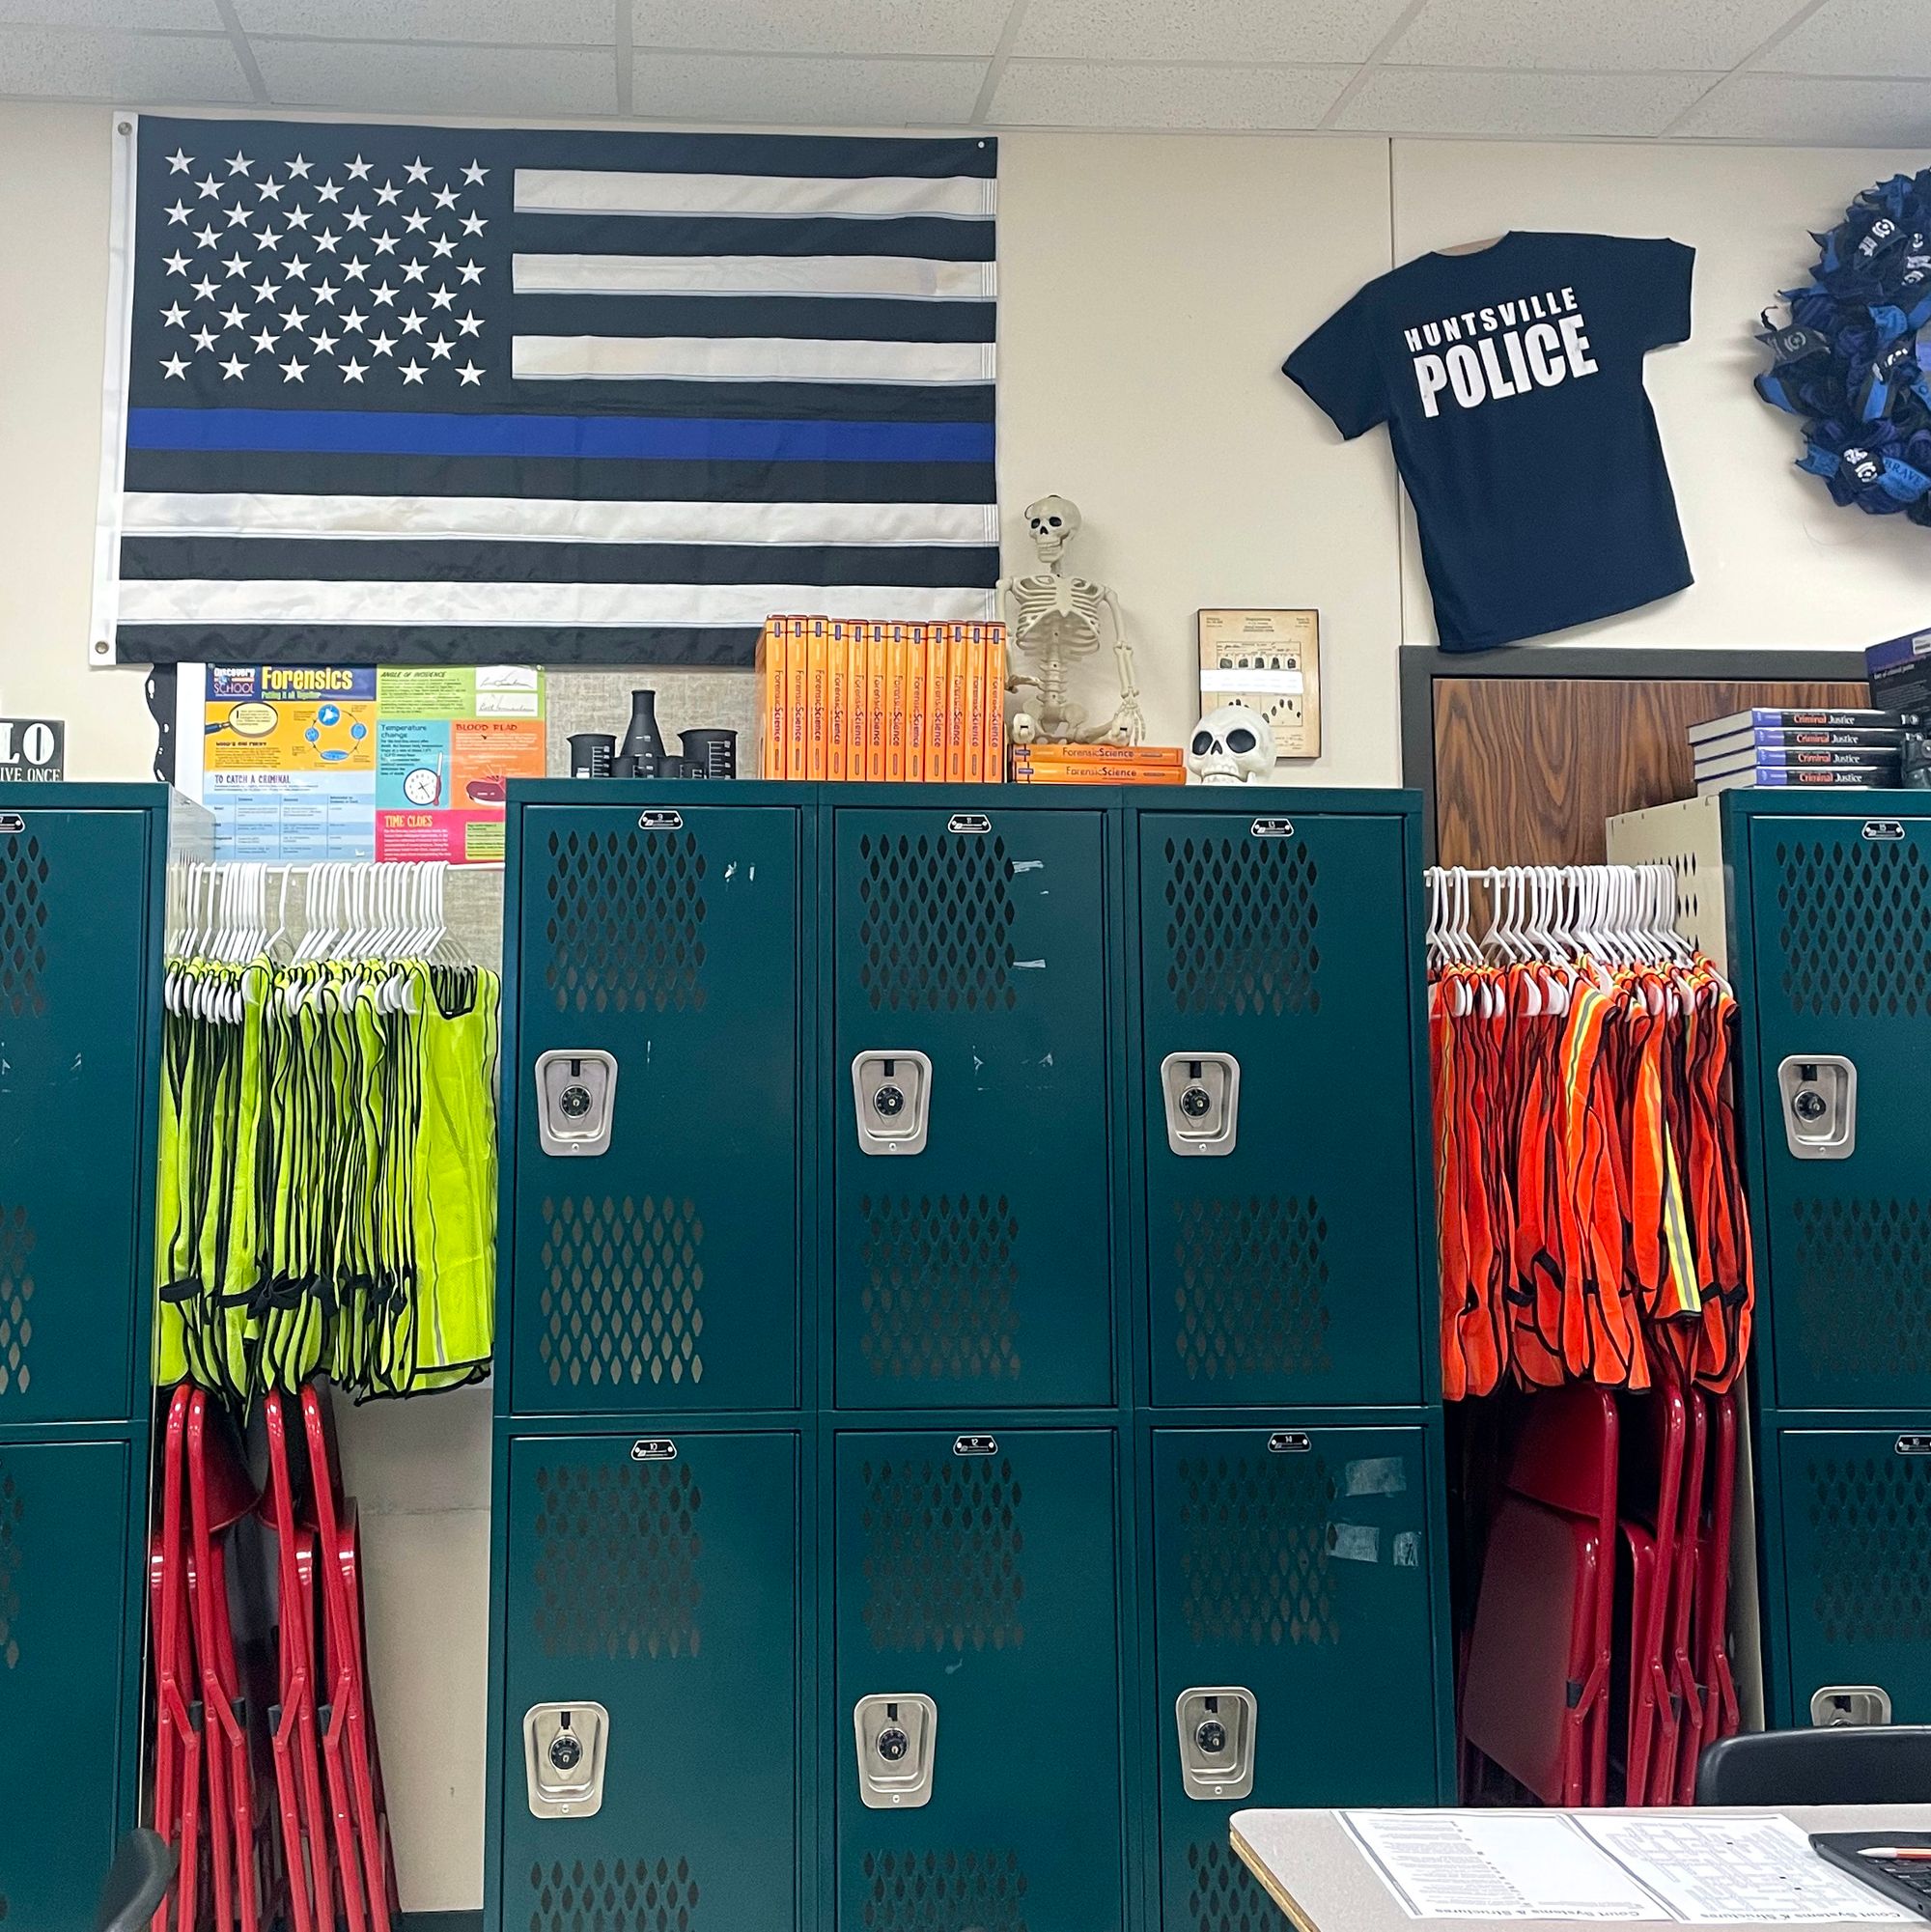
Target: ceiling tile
1064,94
84,65
529,23
804,92
1858,37
1640,35
821,26
1217,30
1544,106
190,16
1795,110
449,80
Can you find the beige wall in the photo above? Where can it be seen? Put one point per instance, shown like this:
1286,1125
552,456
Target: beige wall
1150,288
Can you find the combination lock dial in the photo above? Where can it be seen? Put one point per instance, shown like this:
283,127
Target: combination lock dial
566,1753
888,1102
574,1101
893,1745
1211,1736
1196,1102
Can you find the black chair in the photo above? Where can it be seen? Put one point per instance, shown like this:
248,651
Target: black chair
144,1867
1841,1764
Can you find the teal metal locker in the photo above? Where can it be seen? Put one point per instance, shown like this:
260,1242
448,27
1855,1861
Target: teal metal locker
66,1750
975,1266
81,913
75,987
937,1131
1828,915
1293,1585
652,1600
975,1571
1855,1523
662,1274
1842,924
1286,1265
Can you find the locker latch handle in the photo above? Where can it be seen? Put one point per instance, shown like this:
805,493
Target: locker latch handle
1883,828
661,820
654,1449
976,1445
1273,828
1913,1446
1289,1442
969,821
12,822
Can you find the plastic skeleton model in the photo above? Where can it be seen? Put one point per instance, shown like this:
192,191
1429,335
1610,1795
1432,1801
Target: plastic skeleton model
1232,744
1054,618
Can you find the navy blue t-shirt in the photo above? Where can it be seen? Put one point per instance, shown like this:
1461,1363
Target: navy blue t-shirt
1511,382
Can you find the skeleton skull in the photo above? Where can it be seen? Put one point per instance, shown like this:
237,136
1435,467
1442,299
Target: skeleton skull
1230,745
1053,522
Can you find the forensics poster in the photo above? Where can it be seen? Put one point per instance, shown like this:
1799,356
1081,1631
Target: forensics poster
301,765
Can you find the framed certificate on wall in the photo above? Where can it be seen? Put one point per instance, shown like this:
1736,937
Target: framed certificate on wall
1269,660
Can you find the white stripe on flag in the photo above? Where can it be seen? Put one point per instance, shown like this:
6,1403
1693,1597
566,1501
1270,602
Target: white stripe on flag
868,197
207,601
914,277
554,519
749,358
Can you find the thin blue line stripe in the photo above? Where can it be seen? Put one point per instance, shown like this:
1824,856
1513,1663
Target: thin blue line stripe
591,437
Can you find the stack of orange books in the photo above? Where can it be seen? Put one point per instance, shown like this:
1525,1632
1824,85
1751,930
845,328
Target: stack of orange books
1051,764
847,699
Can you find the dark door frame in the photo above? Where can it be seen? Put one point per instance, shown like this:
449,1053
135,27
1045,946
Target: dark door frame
1421,664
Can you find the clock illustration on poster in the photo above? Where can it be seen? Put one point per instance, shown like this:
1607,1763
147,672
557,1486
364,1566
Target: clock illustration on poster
1847,360
423,786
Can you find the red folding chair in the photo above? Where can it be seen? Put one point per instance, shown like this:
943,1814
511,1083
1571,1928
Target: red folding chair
177,1731
347,1664
1537,1685
309,1870
220,1495
1710,1619
1649,1493
1679,1725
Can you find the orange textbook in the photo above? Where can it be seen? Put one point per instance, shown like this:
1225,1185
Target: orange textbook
838,701
773,692
958,651
875,701
938,683
915,698
818,716
797,706
895,703
976,703
996,703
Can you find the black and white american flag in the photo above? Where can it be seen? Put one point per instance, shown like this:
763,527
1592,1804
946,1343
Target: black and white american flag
496,395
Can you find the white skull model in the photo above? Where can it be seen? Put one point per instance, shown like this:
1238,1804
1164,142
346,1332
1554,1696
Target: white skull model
1053,522
1231,745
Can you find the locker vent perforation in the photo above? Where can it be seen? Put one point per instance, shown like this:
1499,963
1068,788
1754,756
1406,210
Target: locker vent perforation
935,924
625,922
617,1556
23,927
620,1292
1861,1287
1252,1293
944,1891
17,1297
1241,918
1870,1548
940,1281
613,1895
1254,1543
1224,1895
1856,927
943,1541
12,1513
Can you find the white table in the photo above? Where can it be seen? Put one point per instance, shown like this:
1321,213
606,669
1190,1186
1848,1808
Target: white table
1315,1873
